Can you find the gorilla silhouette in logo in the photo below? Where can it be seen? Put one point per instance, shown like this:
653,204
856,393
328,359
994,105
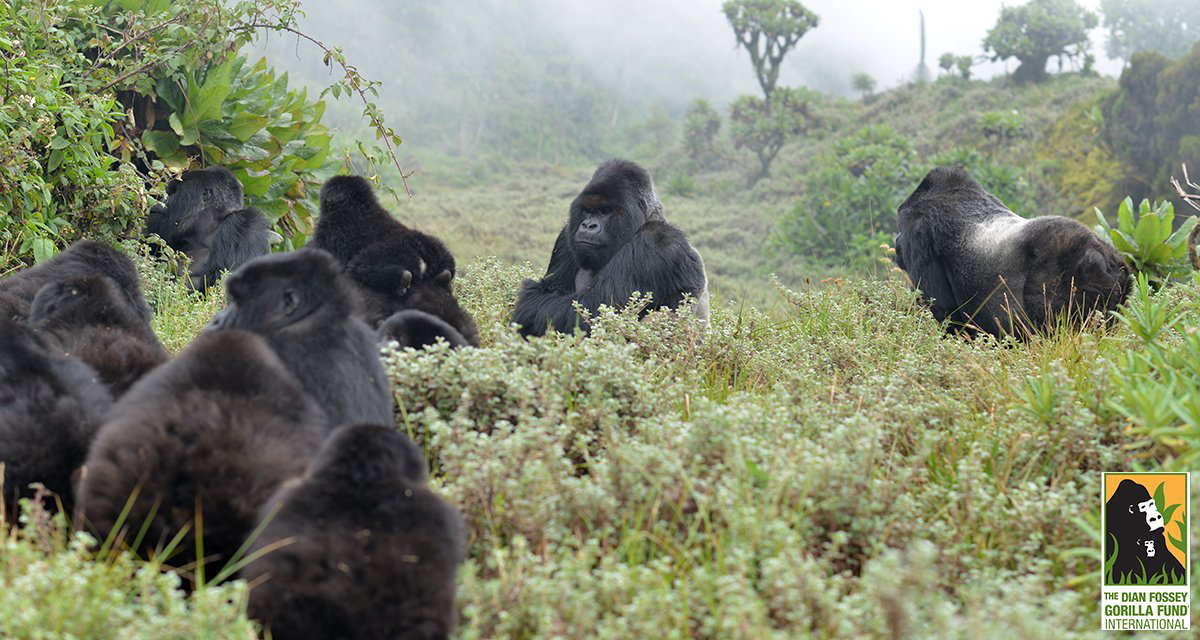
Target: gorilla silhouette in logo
1134,532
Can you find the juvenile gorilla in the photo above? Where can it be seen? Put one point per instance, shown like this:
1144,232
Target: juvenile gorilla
84,258
50,409
214,433
392,266
983,267
303,305
374,550
417,329
91,319
616,242
1133,523
205,218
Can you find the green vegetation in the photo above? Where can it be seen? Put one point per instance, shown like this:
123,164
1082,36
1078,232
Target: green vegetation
1039,30
1148,240
1166,26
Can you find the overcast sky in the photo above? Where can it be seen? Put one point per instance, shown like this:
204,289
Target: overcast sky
880,37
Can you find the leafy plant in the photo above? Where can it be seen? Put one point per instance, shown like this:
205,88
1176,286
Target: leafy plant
1002,126
1147,240
768,30
700,128
1037,31
764,126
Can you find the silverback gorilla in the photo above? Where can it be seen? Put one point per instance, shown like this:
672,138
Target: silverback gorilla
393,267
205,218
303,305
50,408
616,242
373,550
1134,530
90,319
84,258
983,267
202,442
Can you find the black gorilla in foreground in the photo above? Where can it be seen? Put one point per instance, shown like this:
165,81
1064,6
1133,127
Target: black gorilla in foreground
305,308
417,329
373,550
393,267
205,218
50,409
616,242
1134,532
91,319
983,267
82,259
213,433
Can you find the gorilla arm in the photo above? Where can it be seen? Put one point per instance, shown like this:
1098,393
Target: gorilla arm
242,235
916,253
658,260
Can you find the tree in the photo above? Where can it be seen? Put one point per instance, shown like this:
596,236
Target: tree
946,62
964,64
764,126
1168,27
700,128
1035,32
921,75
768,29
864,84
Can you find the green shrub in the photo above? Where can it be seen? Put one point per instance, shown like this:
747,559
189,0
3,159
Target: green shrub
1147,238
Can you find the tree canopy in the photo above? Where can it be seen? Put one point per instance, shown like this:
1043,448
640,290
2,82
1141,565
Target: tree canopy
1169,27
768,30
1035,32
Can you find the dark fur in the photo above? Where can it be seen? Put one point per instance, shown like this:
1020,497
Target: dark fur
82,259
374,551
417,329
90,318
1012,285
616,241
303,305
205,218
218,429
1125,524
50,409
394,267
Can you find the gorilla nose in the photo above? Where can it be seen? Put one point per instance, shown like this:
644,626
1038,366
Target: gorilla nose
590,226
219,321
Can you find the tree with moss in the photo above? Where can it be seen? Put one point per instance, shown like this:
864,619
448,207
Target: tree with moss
764,126
1035,32
768,30
864,84
700,128
1169,27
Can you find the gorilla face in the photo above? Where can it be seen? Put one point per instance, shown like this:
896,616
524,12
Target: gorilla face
274,293
91,300
196,204
603,219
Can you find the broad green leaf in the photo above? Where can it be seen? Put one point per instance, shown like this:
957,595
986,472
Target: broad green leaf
254,183
175,123
205,99
43,249
131,5
56,158
1123,242
59,143
246,124
1125,215
161,143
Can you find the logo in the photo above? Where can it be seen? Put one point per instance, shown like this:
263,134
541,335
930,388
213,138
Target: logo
1146,552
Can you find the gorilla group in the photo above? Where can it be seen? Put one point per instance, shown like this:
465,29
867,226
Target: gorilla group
616,242
205,217
982,267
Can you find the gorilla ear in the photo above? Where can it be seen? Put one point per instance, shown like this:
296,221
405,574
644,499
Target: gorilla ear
444,278
405,280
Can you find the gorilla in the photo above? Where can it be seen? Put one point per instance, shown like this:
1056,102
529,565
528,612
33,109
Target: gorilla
205,218
199,445
417,329
1134,532
392,266
84,258
616,242
304,307
983,267
374,551
50,408
90,318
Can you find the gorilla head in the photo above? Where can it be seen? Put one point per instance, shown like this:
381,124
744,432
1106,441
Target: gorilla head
417,329
204,218
303,305
1134,532
618,200
82,259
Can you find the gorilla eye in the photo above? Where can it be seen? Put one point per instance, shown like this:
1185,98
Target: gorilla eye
290,301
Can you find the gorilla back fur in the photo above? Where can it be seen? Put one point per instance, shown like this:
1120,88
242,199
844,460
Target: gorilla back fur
981,266
303,305
616,242
218,429
374,551
393,267
91,319
204,218
82,259
50,409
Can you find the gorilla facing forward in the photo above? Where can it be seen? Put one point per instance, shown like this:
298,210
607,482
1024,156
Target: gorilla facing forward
983,267
616,242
